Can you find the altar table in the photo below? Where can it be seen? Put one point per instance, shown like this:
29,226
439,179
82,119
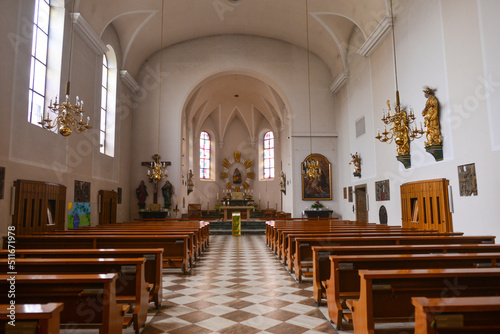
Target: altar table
228,210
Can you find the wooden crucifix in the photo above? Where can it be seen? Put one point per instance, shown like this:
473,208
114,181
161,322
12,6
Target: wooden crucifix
156,177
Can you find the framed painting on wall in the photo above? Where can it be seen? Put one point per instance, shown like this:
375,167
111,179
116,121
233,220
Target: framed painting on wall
318,187
467,180
82,191
382,191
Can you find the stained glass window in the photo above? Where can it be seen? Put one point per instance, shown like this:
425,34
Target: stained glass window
268,155
205,155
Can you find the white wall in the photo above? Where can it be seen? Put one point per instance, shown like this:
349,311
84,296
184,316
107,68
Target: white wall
29,152
185,65
429,53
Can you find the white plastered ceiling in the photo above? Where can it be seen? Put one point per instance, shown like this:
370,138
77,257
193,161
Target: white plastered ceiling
325,32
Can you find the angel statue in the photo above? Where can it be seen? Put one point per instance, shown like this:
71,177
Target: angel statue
356,161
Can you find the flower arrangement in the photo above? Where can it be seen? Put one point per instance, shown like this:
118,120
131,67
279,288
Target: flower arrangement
317,205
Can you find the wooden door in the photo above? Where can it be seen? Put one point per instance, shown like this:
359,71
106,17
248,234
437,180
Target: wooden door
108,201
361,205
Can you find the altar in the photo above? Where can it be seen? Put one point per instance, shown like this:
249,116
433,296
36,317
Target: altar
244,210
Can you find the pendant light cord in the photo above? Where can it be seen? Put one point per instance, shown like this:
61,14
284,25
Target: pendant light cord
70,47
395,60
308,75
161,63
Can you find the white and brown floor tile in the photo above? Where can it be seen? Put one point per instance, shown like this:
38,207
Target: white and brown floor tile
238,286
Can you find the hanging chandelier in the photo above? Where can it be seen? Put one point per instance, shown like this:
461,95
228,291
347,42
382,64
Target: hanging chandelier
157,169
310,167
68,117
402,129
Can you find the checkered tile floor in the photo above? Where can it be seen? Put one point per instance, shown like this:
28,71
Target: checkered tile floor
237,286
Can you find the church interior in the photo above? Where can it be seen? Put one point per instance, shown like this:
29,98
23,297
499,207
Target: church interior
248,113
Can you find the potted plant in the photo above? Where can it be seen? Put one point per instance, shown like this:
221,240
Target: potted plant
317,205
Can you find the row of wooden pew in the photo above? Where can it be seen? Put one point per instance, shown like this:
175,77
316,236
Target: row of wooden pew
369,273
105,276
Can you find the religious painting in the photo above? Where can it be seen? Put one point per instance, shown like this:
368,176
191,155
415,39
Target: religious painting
382,191
316,178
78,214
2,181
349,192
82,192
467,180
119,197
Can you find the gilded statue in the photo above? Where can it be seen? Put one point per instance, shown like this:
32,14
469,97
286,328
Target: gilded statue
431,118
356,161
401,130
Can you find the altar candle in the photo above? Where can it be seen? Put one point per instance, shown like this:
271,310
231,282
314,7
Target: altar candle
217,196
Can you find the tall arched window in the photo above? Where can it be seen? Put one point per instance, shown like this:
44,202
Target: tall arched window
104,103
269,155
205,155
38,68
108,103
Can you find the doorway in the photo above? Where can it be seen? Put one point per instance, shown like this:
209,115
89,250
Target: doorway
361,205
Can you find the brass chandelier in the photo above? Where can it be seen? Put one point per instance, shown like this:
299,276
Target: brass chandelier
400,123
69,117
310,167
157,169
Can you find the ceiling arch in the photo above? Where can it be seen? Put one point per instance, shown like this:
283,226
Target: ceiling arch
227,96
138,23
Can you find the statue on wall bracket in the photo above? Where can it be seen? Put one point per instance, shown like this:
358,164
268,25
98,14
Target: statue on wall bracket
356,161
433,145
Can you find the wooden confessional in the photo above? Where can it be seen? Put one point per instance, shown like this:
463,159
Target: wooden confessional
38,206
425,205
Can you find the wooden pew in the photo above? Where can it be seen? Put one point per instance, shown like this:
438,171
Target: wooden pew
288,238
131,288
321,257
191,239
200,229
175,248
303,246
45,316
457,315
386,294
152,268
344,282
89,299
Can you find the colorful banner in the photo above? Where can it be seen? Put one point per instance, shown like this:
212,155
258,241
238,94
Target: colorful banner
78,214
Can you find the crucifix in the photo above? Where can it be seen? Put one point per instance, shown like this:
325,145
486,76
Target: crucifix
156,172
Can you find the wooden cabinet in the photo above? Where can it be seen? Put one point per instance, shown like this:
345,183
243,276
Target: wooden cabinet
39,206
425,205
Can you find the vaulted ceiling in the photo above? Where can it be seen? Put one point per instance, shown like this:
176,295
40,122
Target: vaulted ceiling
138,22
326,32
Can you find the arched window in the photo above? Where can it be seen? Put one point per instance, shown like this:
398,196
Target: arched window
38,68
205,155
108,103
269,155
104,103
